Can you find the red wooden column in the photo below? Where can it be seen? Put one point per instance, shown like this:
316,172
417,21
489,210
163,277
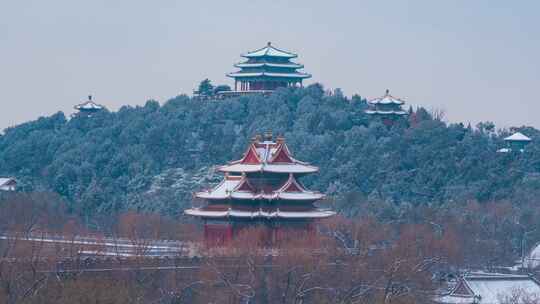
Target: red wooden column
218,235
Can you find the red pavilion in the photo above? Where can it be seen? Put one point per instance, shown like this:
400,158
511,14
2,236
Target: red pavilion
260,190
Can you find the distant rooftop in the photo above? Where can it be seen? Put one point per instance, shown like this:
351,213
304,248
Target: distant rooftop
269,51
518,136
7,184
488,288
386,99
89,105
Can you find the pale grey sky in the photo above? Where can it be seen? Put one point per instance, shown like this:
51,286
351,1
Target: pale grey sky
477,60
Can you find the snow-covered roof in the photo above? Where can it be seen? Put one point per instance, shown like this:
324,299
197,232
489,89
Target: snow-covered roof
518,136
386,99
270,51
221,191
284,168
4,181
269,74
89,105
268,156
232,188
317,213
262,156
489,288
291,65
7,184
380,112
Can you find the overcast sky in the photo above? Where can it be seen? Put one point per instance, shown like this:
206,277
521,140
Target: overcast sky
476,60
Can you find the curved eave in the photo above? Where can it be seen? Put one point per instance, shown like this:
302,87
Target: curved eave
210,196
269,51
286,168
386,100
252,55
316,214
272,65
288,196
221,191
88,107
292,190
208,214
386,112
382,102
266,74
301,196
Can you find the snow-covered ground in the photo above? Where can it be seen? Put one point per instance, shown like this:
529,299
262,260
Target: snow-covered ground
121,247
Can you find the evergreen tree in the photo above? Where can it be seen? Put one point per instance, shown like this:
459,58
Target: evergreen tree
153,157
205,88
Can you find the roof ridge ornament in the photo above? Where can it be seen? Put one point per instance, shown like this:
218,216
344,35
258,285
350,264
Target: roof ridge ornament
89,106
268,136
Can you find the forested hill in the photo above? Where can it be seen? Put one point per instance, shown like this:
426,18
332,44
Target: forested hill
153,157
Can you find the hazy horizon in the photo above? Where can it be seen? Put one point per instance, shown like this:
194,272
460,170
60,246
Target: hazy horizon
477,61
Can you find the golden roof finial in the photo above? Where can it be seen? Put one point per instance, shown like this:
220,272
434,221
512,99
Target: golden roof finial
268,135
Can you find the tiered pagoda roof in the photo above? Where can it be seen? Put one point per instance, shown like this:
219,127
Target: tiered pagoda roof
272,214
386,105
268,156
269,51
266,69
263,184
89,106
239,187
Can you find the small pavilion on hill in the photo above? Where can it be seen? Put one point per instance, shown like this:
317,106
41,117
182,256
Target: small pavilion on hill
387,107
515,143
262,189
88,107
265,70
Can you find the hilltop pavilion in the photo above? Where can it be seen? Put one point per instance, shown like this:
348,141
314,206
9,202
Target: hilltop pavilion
265,70
515,143
88,107
262,189
387,107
